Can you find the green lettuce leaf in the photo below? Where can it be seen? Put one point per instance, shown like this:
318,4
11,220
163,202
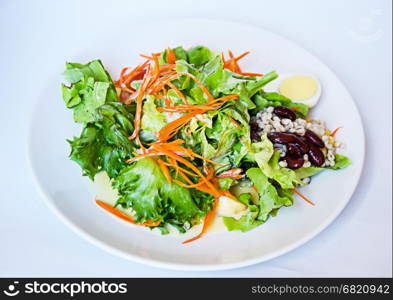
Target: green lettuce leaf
270,200
199,55
103,144
90,87
264,99
341,162
144,188
152,119
267,159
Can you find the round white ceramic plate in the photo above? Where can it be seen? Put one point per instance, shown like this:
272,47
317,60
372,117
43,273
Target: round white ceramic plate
65,191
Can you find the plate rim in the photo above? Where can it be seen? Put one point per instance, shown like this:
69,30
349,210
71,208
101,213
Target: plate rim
198,267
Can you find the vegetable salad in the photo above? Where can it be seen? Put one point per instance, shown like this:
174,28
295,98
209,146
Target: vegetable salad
177,136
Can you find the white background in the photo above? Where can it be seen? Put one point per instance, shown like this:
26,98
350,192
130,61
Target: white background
351,37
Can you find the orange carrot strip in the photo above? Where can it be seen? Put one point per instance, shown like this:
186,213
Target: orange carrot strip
146,56
241,56
225,98
303,197
335,131
182,108
176,166
188,164
206,159
233,121
122,215
167,131
156,66
203,88
137,75
148,154
176,90
122,72
165,170
208,220
138,112
250,74
170,56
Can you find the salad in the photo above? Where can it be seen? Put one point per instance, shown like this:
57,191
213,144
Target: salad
187,136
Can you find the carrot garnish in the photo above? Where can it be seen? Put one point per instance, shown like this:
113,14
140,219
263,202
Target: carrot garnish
165,170
171,129
170,56
178,93
138,112
122,215
206,224
303,197
335,131
200,84
233,121
146,56
250,74
241,56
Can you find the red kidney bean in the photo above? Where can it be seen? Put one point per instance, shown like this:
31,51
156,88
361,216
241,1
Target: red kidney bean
315,156
313,138
282,137
286,137
285,112
255,132
303,145
294,163
294,150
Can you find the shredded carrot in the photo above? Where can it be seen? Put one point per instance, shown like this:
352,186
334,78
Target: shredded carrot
170,56
122,215
165,170
178,93
146,56
122,72
182,108
203,88
138,112
171,128
241,56
303,197
189,165
206,224
233,121
156,66
232,64
250,74
225,98
335,131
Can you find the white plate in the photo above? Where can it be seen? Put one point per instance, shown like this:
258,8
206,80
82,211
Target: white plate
63,188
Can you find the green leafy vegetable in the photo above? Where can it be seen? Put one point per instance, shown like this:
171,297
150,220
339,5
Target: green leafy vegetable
152,120
103,144
264,99
91,87
341,162
143,187
268,203
267,160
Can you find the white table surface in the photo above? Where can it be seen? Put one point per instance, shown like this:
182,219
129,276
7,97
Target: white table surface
352,37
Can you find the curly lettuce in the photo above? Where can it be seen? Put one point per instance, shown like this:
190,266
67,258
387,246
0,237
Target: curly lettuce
143,187
269,201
